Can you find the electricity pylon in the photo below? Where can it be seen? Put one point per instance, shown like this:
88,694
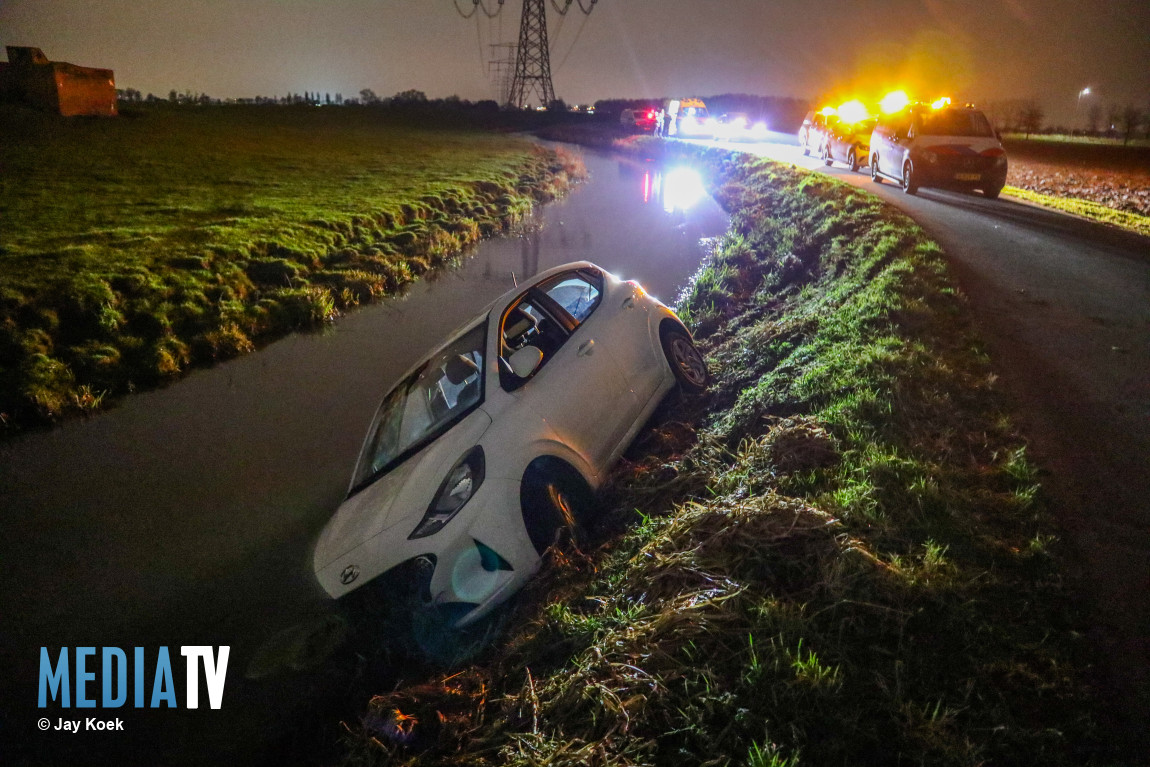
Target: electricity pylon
533,62
533,57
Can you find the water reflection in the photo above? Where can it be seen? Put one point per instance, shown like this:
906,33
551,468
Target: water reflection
187,515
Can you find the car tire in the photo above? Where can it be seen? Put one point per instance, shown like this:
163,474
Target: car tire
874,176
555,501
909,182
991,193
853,161
686,362
826,155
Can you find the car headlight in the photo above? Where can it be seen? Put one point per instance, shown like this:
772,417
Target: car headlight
453,494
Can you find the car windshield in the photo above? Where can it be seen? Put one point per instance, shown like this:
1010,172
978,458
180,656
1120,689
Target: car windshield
863,128
423,405
956,122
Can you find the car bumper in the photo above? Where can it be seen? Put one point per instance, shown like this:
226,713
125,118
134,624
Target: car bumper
480,558
961,175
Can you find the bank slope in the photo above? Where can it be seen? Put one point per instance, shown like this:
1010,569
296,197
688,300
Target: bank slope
839,555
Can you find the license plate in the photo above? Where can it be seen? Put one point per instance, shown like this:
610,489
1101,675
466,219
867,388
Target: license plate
967,176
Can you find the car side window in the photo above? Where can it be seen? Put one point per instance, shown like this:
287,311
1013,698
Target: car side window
529,322
578,293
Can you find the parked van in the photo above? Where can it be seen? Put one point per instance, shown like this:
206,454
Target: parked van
685,118
952,147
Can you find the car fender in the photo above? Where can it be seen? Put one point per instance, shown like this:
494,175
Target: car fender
461,574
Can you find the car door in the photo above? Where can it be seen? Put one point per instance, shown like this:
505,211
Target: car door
578,388
896,146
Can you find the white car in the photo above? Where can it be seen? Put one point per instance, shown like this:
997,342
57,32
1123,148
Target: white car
486,450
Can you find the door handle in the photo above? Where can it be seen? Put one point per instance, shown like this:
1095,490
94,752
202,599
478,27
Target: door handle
629,302
587,347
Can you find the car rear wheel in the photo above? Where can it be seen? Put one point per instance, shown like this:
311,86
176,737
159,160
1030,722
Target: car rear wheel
853,161
991,193
874,176
909,182
806,149
826,155
686,362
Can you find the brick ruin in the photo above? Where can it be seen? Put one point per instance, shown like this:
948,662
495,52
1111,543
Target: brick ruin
30,78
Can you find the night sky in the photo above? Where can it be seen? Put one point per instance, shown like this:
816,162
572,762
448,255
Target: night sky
980,50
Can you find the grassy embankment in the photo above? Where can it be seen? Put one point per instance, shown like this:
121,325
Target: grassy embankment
135,248
838,556
1134,222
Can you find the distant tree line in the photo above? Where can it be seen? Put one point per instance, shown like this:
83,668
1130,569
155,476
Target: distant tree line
1026,116
367,97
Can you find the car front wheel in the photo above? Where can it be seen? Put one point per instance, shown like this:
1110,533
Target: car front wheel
555,503
909,182
853,161
874,176
686,362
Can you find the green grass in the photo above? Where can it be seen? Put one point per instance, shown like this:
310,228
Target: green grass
1134,222
1062,138
838,556
136,247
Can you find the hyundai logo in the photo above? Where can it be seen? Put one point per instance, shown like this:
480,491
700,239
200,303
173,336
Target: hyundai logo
349,574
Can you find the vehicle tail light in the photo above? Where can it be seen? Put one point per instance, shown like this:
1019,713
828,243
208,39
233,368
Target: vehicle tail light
994,152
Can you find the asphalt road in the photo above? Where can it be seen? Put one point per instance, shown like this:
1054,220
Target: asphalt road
1064,307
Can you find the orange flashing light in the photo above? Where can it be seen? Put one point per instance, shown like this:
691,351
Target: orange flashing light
853,111
828,111
895,101
940,103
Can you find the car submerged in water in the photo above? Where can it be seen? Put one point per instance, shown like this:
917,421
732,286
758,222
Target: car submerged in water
487,451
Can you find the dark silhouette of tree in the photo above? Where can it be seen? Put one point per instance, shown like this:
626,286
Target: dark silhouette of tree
1031,118
410,96
1130,119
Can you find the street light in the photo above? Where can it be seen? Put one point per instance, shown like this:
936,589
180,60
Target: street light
1078,104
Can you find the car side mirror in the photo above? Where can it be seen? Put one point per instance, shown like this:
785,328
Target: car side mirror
525,361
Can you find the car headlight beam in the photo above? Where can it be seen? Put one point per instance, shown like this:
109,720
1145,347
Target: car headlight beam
454,492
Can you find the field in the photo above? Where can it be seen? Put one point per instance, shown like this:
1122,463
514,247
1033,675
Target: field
135,248
1084,178
839,555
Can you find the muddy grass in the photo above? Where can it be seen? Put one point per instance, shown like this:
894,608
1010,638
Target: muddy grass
134,249
839,555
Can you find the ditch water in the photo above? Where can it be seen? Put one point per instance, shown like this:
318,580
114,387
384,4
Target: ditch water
186,516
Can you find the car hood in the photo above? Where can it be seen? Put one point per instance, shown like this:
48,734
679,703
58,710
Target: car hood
971,144
401,495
